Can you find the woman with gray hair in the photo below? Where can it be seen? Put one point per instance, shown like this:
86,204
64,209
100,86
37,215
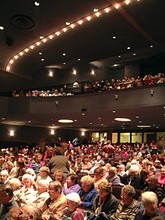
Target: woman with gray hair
150,210
128,206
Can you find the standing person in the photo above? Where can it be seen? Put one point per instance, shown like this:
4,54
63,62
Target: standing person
59,162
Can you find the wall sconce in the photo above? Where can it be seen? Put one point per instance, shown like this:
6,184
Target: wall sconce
151,92
11,133
82,133
52,132
56,103
116,97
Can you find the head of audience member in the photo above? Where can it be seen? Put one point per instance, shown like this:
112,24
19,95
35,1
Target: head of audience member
54,189
87,183
42,186
73,201
14,183
98,173
134,171
4,175
152,182
6,194
31,172
27,180
127,194
150,202
112,172
44,172
162,172
59,176
9,165
28,211
121,168
71,180
104,189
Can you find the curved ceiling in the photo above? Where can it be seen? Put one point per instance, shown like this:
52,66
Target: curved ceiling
99,32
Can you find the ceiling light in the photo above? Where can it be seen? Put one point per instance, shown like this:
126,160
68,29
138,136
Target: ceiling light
3,119
64,54
127,2
64,29
107,10
72,25
119,56
42,59
36,4
114,111
64,63
29,121
41,37
74,72
128,48
116,64
95,9
58,33
143,126
97,14
80,22
134,54
79,59
67,23
67,121
51,73
117,6
137,117
52,132
40,53
114,37
89,18
92,72
122,119
151,46
1,28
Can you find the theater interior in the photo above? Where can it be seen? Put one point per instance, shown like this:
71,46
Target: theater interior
49,44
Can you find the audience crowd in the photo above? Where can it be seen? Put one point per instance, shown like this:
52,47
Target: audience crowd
95,87
96,182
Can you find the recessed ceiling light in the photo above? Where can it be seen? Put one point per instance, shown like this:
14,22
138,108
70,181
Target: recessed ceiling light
134,54
64,63
65,121
137,116
95,9
119,56
40,53
114,37
151,46
79,59
67,23
116,64
128,48
114,111
1,28
64,54
41,37
3,119
143,126
42,59
122,119
29,121
36,3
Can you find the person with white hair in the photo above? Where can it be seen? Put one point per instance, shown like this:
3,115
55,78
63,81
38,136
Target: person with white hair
4,177
27,193
72,212
150,210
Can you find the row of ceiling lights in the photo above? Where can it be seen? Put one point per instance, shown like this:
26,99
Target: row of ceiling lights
68,27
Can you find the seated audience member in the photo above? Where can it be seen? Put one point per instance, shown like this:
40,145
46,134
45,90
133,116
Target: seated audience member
26,212
4,177
59,176
12,169
99,177
87,192
44,175
161,178
105,203
72,212
7,202
15,184
42,193
71,184
113,177
55,205
150,210
133,178
128,206
27,194
154,187
86,165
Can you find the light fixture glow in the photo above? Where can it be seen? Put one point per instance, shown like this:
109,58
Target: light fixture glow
37,4
122,119
65,121
11,133
89,18
52,132
74,72
107,10
1,28
143,126
117,5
